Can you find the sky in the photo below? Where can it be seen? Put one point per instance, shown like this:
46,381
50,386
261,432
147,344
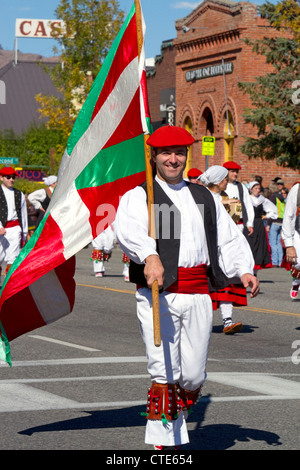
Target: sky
159,15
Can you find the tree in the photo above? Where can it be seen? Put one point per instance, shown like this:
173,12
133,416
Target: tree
275,113
91,26
33,147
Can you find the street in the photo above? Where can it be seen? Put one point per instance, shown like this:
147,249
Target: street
81,383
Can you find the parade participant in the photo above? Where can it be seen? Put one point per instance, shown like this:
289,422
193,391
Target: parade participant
193,175
264,209
13,218
237,190
189,246
103,245
216,179
40,199
291,236
274,226
126,263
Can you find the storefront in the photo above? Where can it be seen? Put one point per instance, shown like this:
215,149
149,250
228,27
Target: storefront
211,58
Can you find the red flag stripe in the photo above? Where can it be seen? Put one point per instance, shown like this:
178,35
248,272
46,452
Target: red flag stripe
109,195
45,256
20,313
125,53
123,131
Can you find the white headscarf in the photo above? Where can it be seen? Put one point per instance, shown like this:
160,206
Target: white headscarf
214,175
253,183
50,180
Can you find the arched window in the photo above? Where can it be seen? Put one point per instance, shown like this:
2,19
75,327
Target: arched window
189,162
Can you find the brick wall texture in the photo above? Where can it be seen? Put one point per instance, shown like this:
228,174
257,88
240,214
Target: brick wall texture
217,32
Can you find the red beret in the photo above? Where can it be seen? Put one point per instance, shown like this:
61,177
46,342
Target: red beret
169,136
232,166
8,170
194,173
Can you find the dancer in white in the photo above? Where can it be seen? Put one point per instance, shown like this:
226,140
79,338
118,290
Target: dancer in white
234,294
237,190
291,236
189,246
103,245
13,218
258,240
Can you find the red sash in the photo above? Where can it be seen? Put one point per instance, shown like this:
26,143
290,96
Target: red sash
12,223
191,281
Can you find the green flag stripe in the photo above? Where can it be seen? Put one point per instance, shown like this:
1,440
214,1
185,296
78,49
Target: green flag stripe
84,117
113,163
25,251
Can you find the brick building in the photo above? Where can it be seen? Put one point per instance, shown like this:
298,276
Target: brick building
210,58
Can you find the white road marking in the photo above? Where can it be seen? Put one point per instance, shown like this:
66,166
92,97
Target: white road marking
20,397
77,361
261,383
17,395
129,359
64,343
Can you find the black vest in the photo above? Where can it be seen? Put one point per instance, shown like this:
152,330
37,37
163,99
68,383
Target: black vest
241,197
3,206
168,247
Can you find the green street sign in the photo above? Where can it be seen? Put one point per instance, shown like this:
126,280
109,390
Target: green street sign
208,145
8,161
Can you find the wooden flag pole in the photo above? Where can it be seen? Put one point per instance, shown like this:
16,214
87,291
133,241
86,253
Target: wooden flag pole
150,192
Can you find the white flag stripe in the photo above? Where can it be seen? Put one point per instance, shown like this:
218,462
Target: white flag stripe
70,209
98,133
54,302
141,71
66,204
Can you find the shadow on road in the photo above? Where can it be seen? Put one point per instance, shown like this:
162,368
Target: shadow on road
203,437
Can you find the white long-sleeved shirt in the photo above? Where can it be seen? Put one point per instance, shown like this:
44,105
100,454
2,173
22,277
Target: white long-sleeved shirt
289,217
233,192
268,206
131,226
37,197
11,209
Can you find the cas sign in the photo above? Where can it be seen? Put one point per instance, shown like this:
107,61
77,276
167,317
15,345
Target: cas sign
32,28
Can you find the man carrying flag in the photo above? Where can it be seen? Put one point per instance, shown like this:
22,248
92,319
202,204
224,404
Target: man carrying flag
190,246
104,158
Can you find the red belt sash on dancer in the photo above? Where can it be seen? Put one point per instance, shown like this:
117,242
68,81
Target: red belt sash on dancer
12,223
190,281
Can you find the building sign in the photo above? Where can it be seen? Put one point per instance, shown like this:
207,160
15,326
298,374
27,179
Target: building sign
31,175
9,161
32,28
208,145
211,71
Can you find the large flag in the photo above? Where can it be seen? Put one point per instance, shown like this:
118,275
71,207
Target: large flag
104,158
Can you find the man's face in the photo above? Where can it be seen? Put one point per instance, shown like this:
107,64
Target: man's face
233,175
8,181
170,163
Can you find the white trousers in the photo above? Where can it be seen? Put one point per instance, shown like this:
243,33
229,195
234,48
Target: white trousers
186,325
10,244
98,267
297,248
296,282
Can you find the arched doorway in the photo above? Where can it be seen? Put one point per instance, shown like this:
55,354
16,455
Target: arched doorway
207,128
